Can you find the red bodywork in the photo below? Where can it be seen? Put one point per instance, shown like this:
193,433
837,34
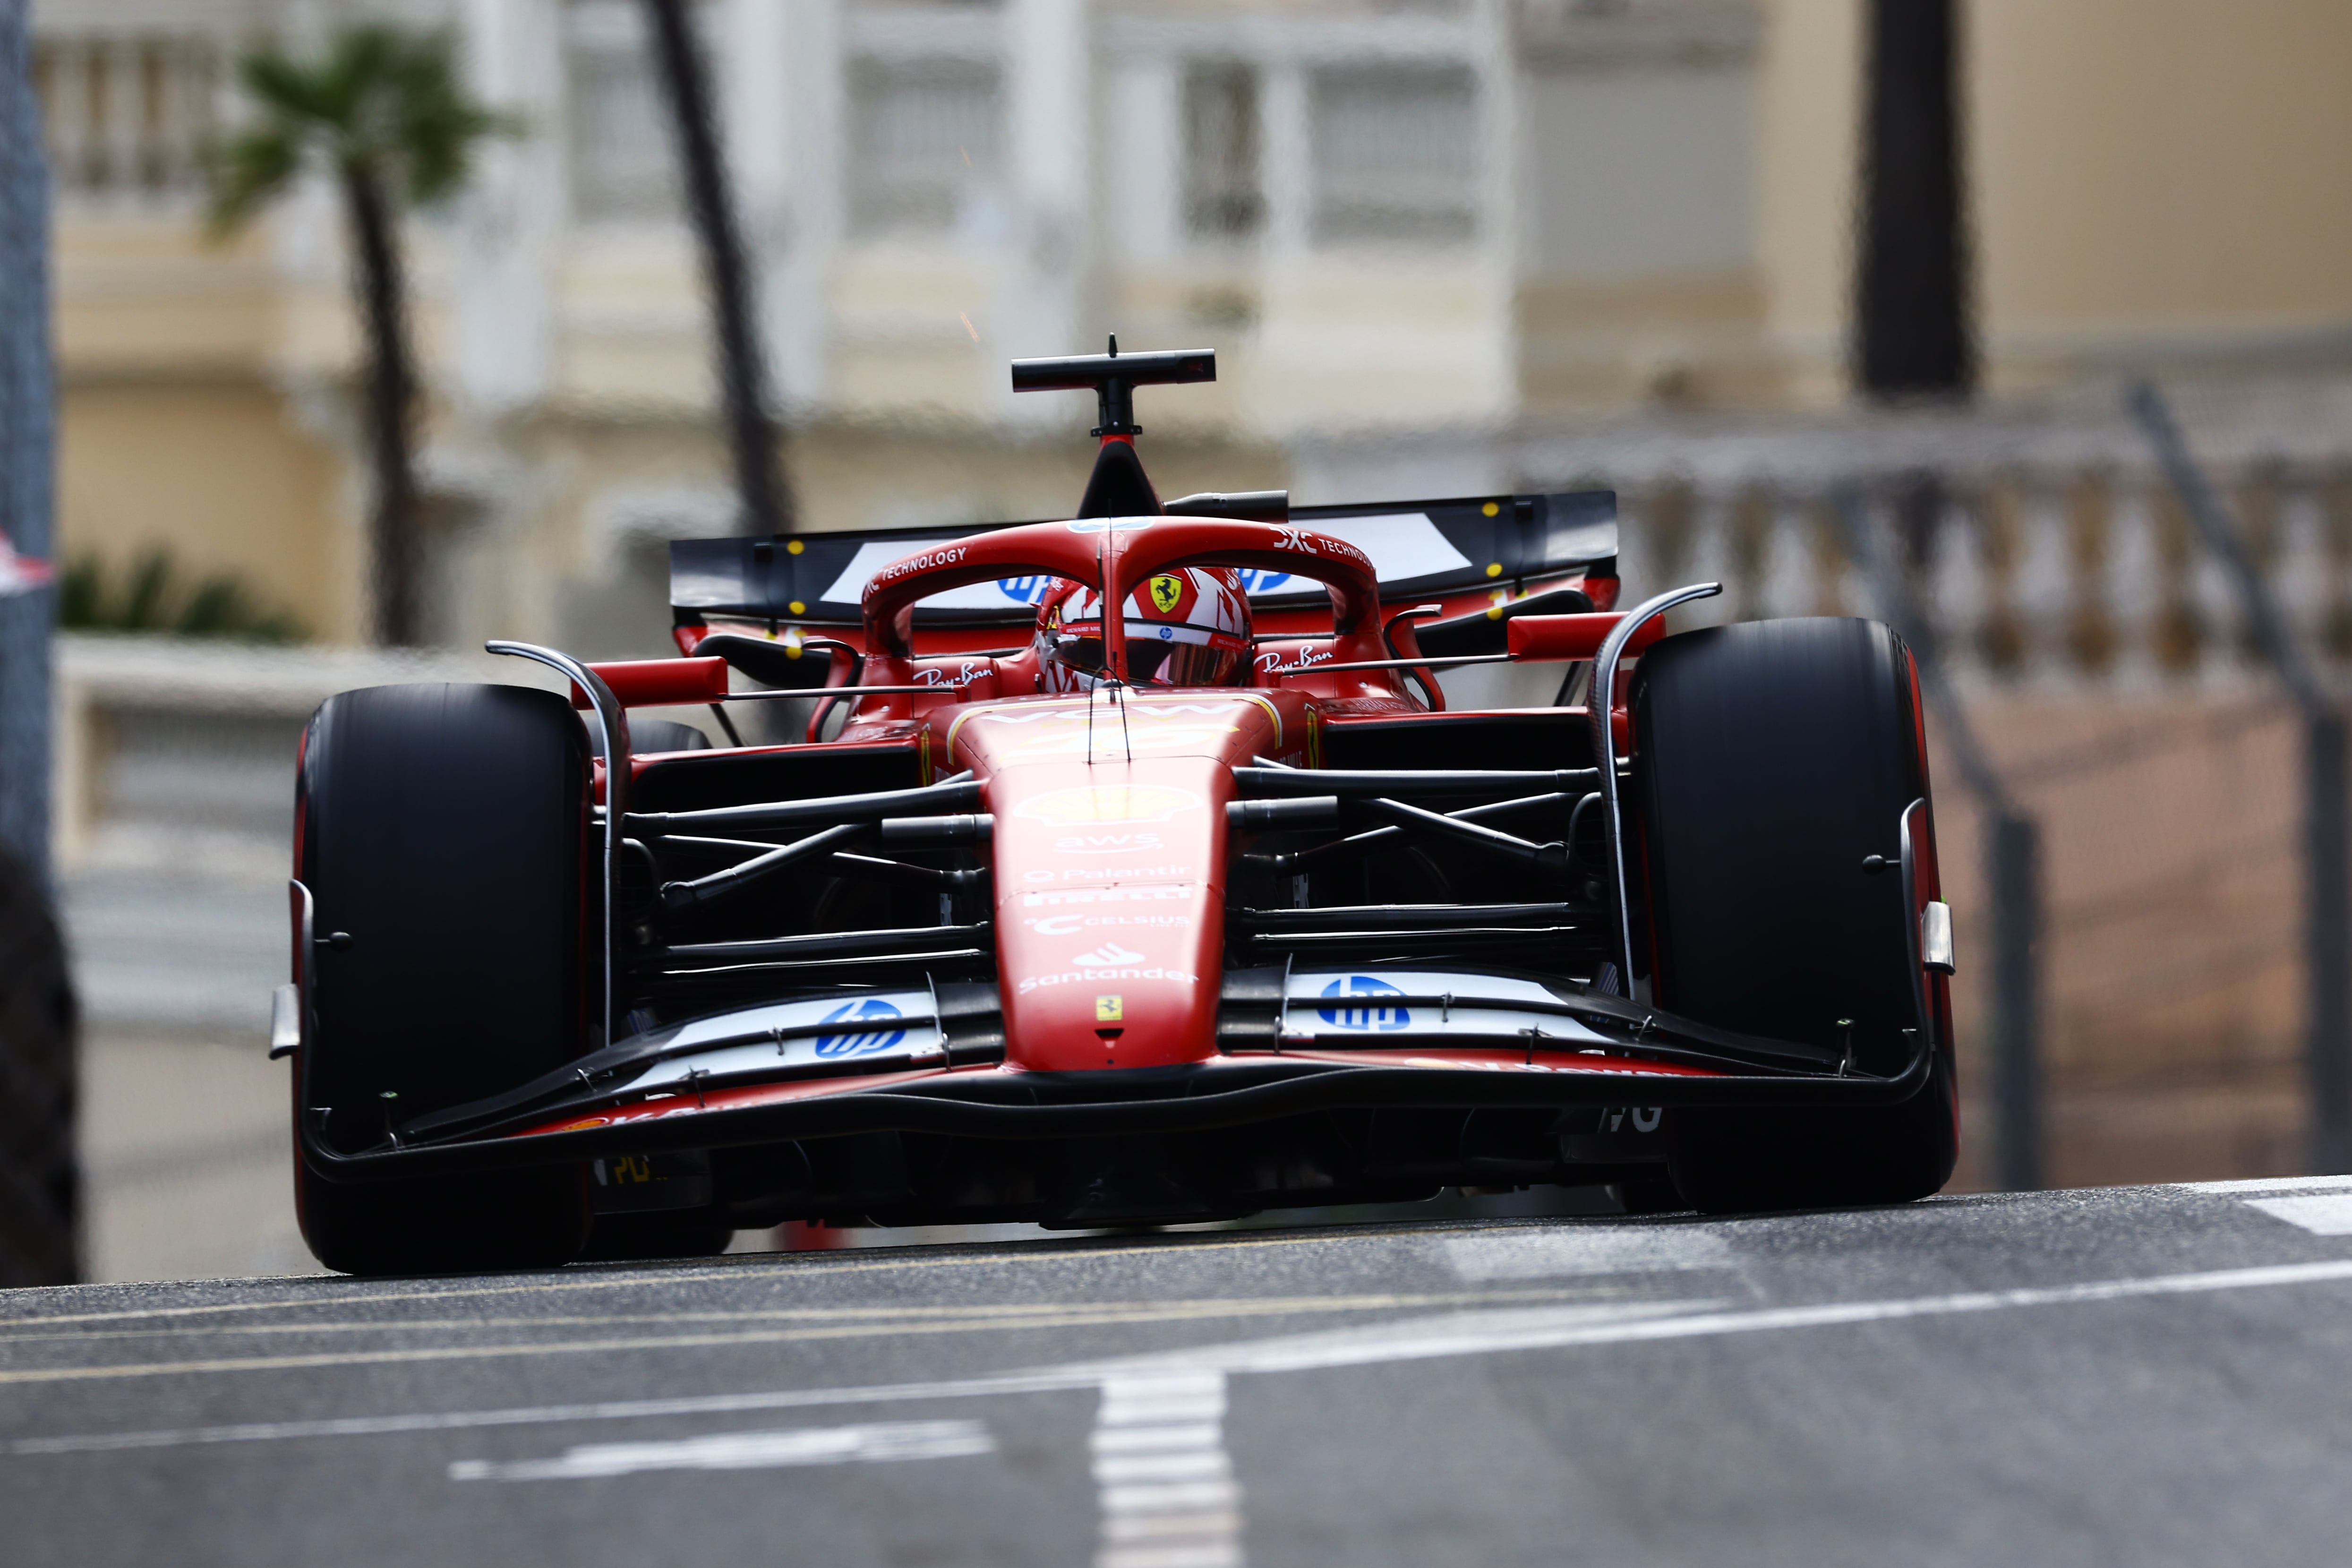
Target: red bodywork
1110,838
1104,1002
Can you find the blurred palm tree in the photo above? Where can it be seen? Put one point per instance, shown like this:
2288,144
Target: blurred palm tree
384,113
754,439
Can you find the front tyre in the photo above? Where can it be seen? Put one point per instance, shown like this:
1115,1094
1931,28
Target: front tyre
1773,760
443,832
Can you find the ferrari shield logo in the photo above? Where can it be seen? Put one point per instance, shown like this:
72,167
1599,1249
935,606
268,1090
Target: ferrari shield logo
1110,1009
1165,591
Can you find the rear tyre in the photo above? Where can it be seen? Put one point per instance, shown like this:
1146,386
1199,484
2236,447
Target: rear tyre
443,830
1648,1194
1772,758
668,1233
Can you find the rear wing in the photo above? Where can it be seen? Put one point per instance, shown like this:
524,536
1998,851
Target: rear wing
1421,548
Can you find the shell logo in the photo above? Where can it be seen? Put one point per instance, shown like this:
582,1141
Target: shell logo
1095,805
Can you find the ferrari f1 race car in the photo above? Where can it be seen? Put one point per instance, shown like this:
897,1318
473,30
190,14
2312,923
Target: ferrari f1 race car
1126,868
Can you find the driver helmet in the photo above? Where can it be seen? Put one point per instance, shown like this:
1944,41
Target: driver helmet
1188,626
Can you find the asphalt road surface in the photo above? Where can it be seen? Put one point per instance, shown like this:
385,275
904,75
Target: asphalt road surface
2141,1375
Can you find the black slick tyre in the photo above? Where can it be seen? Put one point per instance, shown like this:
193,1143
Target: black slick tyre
443,832
671,1233
1773,759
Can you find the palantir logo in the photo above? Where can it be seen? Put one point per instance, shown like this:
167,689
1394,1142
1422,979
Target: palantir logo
873,1009
1372,1016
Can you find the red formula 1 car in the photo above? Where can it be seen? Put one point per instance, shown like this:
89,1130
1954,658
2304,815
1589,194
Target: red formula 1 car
1125,868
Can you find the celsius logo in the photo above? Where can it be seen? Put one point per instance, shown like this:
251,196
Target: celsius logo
1109,955
1070,925
872,1010
1373,1017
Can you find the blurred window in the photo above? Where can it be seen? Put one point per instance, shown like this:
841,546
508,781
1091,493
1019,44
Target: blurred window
1223,197
1395,152
126,114
622,153
923,132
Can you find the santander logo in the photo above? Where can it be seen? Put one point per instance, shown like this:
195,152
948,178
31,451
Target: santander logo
1109,955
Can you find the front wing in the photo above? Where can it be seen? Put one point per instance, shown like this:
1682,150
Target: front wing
1293,1043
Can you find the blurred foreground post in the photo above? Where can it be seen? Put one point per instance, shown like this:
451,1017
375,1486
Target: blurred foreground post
2014,859
1911,277
2326,800
40,1229
27,605
2011,846
753,437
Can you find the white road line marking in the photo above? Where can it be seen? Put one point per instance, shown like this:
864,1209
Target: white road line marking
880,1442
1207,1465
1549,1254
1174,1554
1166,1527
544,1415
1152,1439
1166,1485
1447,1334
2270,1185
761,1269
1465,1333
1107,1315
1475,1333
2324,1213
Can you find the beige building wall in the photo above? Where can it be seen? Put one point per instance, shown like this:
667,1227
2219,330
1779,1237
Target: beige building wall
174,429
1668,223
1808,114
2160,178
2152,183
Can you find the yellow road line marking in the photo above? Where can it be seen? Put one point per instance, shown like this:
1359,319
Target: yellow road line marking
772,1263
1171,1312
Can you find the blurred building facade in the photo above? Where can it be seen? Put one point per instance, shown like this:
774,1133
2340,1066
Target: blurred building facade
1439,248
1425,239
